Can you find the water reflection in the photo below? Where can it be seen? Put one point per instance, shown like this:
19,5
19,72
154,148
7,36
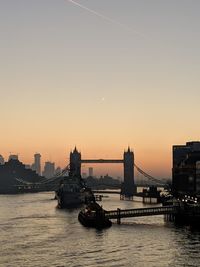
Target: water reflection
35,233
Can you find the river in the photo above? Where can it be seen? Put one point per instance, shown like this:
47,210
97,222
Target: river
33,232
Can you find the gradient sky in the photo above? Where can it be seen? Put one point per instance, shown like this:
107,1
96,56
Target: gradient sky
69,77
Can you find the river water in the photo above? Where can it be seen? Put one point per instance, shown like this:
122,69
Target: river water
33,232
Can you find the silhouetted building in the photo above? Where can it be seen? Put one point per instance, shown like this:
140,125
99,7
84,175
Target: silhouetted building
103,182
186,169
90,172
37,163
36,166
12,173
27,166
14,157
49,169
1,160
108,180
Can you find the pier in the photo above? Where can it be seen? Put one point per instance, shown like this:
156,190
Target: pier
127,213
150,195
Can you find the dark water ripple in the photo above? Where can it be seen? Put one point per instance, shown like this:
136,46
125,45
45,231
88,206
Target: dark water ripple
34,233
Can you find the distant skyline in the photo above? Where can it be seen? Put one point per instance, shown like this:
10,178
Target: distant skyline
102,76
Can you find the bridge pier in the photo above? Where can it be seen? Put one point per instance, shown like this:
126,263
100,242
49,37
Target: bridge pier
150,200
118,216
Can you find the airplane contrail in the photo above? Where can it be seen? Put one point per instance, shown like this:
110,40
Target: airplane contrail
107,18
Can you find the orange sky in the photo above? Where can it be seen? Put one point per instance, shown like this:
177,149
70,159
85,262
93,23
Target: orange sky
127,77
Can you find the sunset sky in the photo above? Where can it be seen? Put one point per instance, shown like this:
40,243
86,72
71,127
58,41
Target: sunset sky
101,75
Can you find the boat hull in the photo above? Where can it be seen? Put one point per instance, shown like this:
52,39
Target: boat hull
95,222
66,200
73,199
93,215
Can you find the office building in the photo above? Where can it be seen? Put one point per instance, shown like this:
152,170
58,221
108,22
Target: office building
90,172
49,169
186,169
36,166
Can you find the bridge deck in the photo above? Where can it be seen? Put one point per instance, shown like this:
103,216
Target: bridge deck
102,161
116,214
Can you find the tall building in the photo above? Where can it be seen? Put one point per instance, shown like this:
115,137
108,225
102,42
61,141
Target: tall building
1,160
49,169
90,172
36,166
186,169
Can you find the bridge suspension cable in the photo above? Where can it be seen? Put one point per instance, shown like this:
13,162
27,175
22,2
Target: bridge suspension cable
151,178
46,181
57,176
66,170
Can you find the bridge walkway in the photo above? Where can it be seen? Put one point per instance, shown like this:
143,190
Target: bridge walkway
118,214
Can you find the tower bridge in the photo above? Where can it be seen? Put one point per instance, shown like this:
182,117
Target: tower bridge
127,161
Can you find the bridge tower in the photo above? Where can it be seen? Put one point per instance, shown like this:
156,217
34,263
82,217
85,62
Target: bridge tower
129,185
75,163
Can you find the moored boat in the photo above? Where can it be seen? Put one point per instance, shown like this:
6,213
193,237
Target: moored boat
72,192
93,215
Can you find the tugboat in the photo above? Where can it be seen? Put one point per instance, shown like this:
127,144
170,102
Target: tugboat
94,216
